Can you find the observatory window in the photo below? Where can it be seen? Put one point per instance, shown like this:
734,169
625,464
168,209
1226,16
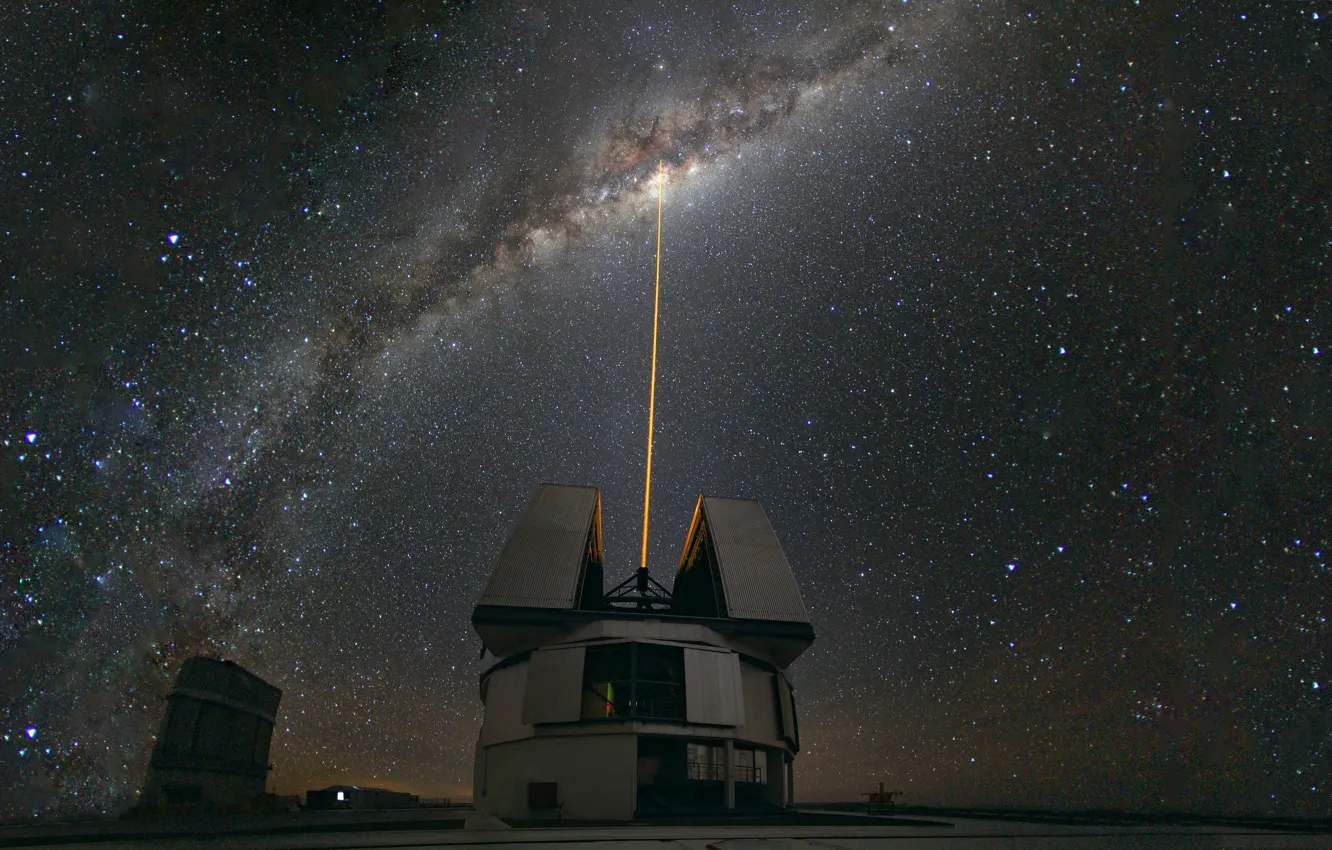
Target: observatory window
607,681
747,766
342,796
634,680
707,762
660,682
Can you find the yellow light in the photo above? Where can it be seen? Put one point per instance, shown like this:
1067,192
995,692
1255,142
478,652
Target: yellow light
652,391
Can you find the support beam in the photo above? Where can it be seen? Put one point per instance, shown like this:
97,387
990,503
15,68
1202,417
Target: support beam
774,770
730,774
790,784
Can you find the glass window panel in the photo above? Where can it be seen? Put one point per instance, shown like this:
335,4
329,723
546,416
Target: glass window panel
657,663
606,699
748,766
607,686
606,663
662,700
634,680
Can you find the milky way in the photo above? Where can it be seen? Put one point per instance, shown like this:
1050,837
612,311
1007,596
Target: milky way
1013,318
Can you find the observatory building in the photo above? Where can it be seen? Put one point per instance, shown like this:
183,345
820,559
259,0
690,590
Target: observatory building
640,700
212,751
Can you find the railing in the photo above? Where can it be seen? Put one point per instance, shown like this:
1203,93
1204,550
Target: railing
658,700
705,770
716,772
747,773
662,700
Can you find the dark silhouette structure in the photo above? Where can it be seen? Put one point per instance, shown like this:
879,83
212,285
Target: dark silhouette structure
212,751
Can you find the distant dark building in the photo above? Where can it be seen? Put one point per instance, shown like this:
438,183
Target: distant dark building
641,700
212,750
355,797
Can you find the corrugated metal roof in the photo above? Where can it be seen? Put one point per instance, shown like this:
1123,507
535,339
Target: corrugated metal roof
756,576
539,567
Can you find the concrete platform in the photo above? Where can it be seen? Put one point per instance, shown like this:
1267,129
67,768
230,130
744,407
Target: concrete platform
807,828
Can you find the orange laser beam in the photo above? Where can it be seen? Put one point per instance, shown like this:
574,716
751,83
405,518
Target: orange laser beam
652,392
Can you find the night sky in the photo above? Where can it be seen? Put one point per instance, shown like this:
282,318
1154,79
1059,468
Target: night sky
1014,317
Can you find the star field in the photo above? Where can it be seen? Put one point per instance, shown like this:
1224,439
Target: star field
1013,317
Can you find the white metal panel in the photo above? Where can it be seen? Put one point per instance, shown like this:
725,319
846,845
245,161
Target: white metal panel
729,670
479,768
701,697
755,574
554,686
714,693
595,774
504,705
787,705
760,704
540,564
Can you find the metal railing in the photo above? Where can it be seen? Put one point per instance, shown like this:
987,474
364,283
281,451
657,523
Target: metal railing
626,698
663,700
716,772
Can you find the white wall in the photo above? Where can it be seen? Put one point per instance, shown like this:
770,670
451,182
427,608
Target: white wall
505,690
595,774
760,707
554,686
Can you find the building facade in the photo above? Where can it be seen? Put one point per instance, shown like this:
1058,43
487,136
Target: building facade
639,701
212,751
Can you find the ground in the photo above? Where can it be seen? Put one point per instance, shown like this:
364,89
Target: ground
806,828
